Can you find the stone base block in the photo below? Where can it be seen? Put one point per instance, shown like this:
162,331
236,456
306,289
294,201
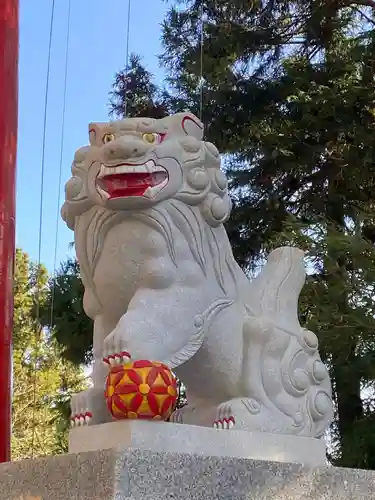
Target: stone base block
168,437
144,475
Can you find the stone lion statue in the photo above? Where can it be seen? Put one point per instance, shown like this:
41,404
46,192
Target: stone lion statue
147,202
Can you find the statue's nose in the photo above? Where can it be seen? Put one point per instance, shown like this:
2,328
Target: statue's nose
123,148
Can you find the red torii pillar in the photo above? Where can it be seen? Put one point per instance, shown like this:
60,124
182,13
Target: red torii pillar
8,146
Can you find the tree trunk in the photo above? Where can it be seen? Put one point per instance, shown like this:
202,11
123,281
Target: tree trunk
346,380
347,384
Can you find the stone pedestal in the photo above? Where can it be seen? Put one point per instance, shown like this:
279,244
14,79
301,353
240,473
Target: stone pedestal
206,441
126,474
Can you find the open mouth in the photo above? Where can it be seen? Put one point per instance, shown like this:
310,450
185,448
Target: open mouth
127,180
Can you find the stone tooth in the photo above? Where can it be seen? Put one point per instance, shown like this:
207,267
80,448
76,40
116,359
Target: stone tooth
102,171
102,193
151,192
158,177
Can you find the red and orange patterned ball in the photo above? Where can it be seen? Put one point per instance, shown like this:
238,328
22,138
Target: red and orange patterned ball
141,390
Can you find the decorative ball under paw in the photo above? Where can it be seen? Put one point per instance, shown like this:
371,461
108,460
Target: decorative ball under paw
141,390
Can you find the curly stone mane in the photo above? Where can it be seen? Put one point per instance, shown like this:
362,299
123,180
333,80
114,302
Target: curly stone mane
197,210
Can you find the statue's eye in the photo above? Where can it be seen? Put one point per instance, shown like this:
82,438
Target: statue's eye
108,138
152,138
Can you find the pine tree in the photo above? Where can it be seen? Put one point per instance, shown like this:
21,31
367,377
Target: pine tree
288,96
134,87
72,329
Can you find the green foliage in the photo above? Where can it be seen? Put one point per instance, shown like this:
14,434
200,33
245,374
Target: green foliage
134,86
337,303
71,327
42,381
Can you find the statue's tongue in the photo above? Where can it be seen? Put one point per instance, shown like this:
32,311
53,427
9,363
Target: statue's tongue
130,184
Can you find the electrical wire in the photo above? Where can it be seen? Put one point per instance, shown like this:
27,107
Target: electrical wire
61,160
201,80
37,312
127,61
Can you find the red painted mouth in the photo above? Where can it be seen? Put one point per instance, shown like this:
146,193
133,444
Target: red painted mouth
131,184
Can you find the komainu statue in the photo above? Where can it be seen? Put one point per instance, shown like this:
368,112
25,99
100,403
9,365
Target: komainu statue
147,202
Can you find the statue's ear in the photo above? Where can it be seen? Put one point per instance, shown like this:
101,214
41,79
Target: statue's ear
191,125
96,132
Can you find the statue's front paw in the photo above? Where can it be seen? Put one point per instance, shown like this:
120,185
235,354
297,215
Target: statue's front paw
237,413
225,418
177,416
81,413
115,350
89,408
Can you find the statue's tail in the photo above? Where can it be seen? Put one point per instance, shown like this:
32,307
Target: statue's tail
275,291
282,373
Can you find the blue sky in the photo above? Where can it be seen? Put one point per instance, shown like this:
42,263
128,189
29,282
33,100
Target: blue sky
97,50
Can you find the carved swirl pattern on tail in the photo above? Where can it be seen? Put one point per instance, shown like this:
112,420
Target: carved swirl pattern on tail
282,368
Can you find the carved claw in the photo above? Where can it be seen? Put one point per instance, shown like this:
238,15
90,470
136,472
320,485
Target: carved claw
224,417
121,358
80,411
115,348
80,419
176,417
226,423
